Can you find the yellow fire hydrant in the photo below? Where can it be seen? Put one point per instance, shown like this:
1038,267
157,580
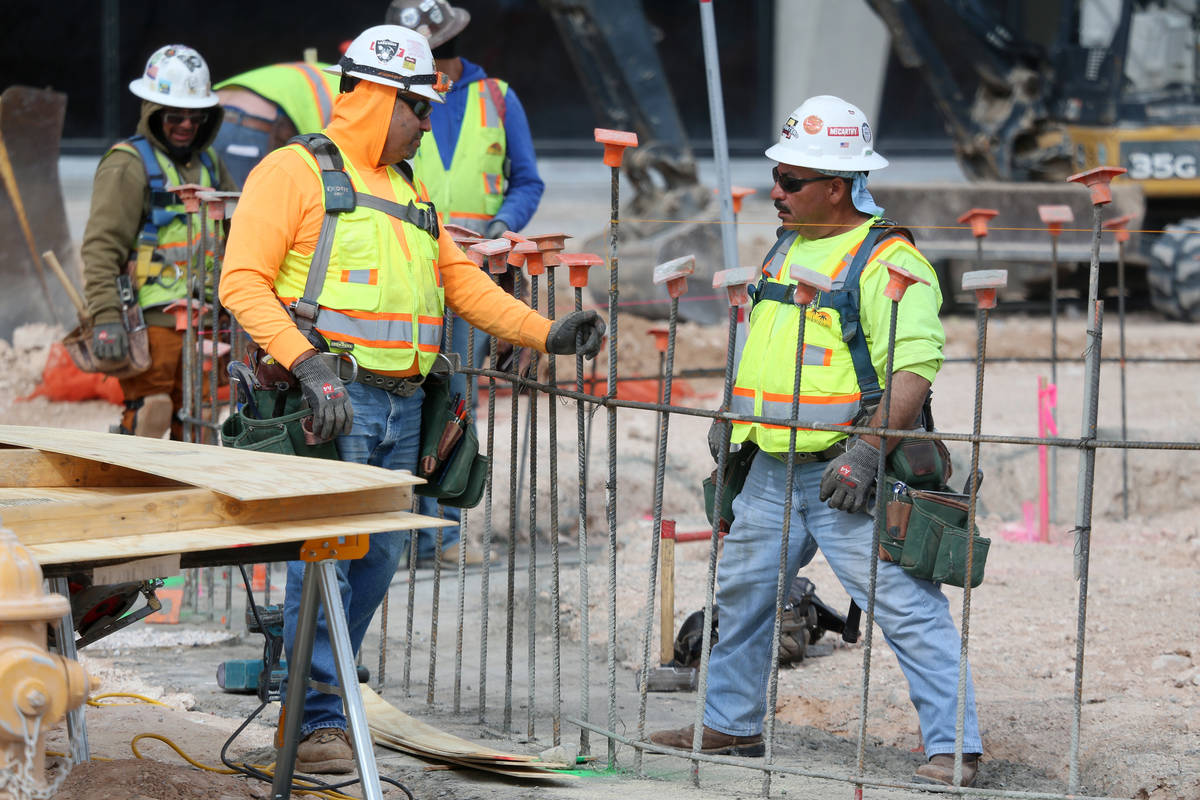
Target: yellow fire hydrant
37,688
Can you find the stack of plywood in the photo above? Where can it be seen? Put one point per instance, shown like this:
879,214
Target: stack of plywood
77,498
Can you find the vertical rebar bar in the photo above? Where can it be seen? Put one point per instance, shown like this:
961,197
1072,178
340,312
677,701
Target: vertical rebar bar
485,570
1124,419
611,489
412,597
187,411
784,545
381,672
531,419
1083,511
581,446
665,370
513,488
460,614
555,600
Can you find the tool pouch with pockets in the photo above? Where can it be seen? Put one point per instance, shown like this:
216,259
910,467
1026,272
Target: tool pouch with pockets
737,467
78,343
449,459
280,432
926,534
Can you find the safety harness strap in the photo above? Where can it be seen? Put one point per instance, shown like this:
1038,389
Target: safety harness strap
341,197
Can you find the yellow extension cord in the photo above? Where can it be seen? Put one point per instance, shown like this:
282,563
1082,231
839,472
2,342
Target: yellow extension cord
142,699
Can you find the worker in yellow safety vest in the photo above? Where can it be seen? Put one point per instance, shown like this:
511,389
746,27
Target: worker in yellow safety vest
135,246
831,225
333,247
267,106
478,163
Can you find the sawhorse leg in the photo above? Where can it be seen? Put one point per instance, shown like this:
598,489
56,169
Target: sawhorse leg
320,586
64,638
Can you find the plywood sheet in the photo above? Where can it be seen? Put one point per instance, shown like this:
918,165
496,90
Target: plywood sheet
242,474
228,536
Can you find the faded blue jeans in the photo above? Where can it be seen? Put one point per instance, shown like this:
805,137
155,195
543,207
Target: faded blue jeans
913,614
386,433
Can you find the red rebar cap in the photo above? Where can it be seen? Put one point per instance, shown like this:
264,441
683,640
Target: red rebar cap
459,232
674,274
734,281
495,250
808,283
899,279
978,218
187,193
615,143
579,263
984,283
660,338
550,242
738,193
1117,225
219,205
1097,179
1055,217
521,250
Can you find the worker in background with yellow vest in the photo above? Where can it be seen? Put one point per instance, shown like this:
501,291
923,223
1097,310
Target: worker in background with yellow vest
135,246
832,225
378,279
480,169
266,107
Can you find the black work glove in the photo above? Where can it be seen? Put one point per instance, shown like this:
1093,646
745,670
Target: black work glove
561,340
718,435
109,341
495,229
848,479
326,395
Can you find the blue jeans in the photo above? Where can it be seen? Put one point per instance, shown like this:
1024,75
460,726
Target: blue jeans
913,614
386,433
459,385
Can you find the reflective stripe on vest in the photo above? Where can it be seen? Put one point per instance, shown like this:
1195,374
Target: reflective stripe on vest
377,283
472,188
160,278
829,391
304,91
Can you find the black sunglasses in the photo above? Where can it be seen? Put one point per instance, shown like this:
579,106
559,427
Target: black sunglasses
421,107
792,185
179,117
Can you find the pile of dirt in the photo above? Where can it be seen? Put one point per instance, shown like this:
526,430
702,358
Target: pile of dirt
141,779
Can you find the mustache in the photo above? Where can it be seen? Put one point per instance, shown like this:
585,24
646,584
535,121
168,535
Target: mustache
780,206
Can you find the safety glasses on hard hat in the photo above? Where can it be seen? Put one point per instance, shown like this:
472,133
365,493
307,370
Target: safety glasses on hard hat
421,107
180,117
792,185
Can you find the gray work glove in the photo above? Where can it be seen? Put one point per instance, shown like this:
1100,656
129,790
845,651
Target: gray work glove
718,435
326,395
587,324
848,479
109,341
495,229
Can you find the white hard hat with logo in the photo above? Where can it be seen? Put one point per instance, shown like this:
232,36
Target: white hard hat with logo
175,76
827,133
393,56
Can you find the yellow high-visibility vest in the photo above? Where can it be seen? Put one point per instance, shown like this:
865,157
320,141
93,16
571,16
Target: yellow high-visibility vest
383,292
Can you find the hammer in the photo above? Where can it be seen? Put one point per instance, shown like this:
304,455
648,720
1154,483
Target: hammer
669,676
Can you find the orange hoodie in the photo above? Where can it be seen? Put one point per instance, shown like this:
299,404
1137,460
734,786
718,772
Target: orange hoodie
281,210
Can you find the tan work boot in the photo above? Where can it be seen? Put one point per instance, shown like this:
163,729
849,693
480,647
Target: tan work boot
940,769
153,419
450,556
325,751
712,742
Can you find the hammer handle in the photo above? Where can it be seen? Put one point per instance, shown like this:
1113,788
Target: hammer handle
667,610
72,292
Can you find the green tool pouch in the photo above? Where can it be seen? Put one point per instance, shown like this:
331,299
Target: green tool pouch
737,467
449,459
926,534
279,433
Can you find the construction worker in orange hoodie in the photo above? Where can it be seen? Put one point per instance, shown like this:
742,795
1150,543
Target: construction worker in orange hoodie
388,274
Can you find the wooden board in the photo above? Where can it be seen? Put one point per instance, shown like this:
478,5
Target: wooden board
229,536
242,474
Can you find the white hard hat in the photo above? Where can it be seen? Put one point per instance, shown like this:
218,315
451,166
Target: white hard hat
175,76
393,56
827,133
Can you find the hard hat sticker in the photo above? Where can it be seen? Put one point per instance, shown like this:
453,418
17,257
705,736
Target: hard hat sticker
812,124
866,133
851,130
409,17
385,49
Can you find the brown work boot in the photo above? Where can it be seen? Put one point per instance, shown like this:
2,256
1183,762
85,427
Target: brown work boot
325,751
940,769
713,742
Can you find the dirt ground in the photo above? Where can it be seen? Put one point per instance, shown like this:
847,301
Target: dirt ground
1140,719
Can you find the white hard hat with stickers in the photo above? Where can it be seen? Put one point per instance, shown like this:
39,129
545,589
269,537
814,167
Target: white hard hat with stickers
393,56
175,76
828,134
